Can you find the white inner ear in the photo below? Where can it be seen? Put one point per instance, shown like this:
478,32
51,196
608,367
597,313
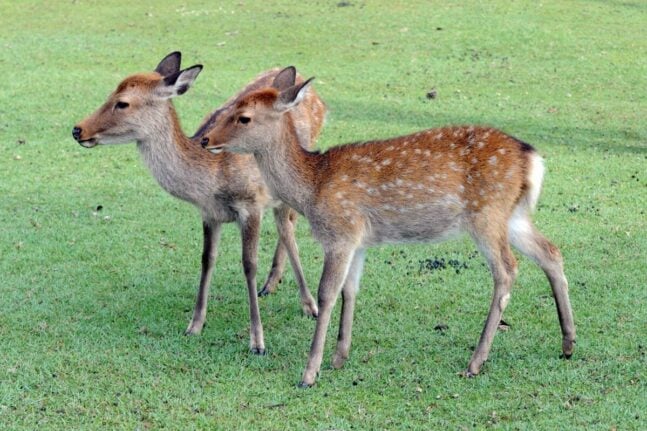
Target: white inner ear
182,84
281,106
165,91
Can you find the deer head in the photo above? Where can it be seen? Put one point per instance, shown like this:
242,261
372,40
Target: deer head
137,106
244,128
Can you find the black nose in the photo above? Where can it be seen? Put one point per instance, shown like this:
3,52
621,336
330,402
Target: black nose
76,133
204,142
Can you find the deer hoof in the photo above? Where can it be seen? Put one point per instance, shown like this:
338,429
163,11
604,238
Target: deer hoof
304,385
468,374
258,351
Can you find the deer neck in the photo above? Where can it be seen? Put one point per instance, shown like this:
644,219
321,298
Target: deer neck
288,170
169,153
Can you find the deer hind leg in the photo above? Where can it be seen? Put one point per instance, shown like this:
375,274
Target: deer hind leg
211,237
250,228
278,265
285,218
494,246
336,265
530,242
348,294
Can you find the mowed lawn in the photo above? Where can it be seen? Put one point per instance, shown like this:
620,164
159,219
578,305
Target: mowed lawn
99,266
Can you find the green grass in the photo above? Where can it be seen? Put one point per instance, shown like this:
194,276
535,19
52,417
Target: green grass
93,304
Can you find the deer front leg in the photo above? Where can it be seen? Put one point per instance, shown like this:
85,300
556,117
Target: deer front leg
336,265
348,294
250,228
285,219
211,237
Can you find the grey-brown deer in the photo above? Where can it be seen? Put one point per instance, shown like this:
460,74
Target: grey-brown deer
427,186
225,188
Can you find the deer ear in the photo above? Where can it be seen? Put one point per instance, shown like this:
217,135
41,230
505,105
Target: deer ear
292,96
169,64
178,83
285,78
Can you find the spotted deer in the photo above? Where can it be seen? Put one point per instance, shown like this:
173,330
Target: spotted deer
225,188
423,187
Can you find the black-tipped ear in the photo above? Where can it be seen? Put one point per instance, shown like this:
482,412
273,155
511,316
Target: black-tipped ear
291,97
170,64
285,78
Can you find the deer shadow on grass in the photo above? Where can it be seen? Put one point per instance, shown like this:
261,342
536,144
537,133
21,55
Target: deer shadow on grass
618,140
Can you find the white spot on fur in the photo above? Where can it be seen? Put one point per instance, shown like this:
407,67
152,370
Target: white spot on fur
501,150
390,148
344,178
386,162
427,153
480,145
492,160
474,160
417,151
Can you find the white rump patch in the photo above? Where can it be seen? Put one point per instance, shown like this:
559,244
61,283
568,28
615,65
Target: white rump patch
535,179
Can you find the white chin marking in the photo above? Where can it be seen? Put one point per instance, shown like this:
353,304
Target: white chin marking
215,150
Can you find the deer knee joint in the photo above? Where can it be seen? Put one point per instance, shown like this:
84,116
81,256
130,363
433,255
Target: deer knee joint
503,302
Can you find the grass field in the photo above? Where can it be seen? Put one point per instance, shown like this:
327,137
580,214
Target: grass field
93,303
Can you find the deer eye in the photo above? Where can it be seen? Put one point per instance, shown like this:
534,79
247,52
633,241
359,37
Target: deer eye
122,105
244,120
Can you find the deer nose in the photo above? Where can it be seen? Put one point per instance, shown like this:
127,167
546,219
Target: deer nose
76,133
204,142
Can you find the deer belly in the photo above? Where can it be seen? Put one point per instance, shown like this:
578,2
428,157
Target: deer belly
413,224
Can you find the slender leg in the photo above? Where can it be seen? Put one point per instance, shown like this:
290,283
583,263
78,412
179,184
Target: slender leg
529,241
336,265
285,219
503,266
211,237
278,265
348,294
250,229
